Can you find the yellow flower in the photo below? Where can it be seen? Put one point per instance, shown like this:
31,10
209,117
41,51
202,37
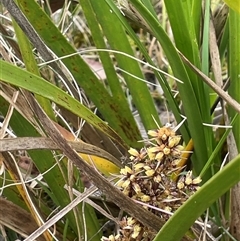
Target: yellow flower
126,183
173,141
188,179
126,170
153,133
180,185
138,166
157,179
159,156
155,153
131,221
197,180
166,151
133,152
135,155
136,231
150,172
145,198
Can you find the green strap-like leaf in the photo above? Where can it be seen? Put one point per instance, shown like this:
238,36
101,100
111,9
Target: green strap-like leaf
234,67
31,65
21,78
138,89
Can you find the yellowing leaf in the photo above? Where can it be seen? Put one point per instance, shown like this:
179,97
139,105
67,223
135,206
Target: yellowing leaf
103,165
234,5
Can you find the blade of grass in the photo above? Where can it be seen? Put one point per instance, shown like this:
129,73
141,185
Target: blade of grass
234,67
196,15
31,65
218,147
234,72
138,89
149,6
21,78
224,41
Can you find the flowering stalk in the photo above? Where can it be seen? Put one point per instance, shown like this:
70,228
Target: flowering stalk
149,178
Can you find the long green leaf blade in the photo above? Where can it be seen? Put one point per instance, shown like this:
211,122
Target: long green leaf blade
234,67
138,89
21,78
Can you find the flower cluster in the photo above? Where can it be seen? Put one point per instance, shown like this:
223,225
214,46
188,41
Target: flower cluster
148,179
131,229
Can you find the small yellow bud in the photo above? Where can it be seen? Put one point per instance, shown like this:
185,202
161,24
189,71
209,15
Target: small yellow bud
111,238
153,133
137,228
152,152
126,170
167,208
159,156
157,179
197,180
176,162
145,198
126,191
120,183
138,166
166,151
164,137
135,234
131,158
133,152
188,181
179,148
173,141
188,178
147,167
153,149
132,177
180,185
150,173
131,221
117,237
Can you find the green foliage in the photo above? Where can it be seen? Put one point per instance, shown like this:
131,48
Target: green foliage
114,128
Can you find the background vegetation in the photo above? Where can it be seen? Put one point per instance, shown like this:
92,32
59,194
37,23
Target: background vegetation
107,72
